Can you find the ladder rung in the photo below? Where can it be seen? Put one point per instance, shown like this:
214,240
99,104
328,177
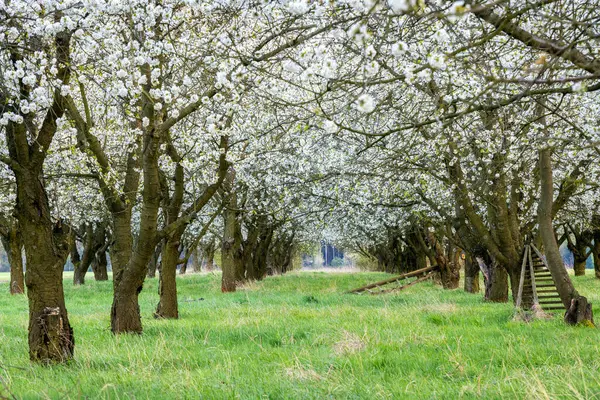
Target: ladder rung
551,302
553,308
549,296
545,285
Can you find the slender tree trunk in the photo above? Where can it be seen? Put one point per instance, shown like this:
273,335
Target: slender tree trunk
167,284
183,268
210,258
75,256
89,253
596,244
153,263
196,262
578,308
15,255
13,246
231,251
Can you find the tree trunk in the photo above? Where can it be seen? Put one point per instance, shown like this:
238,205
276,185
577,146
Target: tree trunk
496,281
153,263
196,262
596,254
13,246
183,268
122,247
579,310
46,248
100,266
471,275
46,244
579,266
450,273
262,252
231,251
125,312
167,284
596,245
89,253
210,258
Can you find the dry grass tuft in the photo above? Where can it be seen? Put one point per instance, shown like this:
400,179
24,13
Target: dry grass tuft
441,308
533,314
302,373
351,344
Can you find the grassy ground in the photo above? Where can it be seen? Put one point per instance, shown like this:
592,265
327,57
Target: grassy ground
299,337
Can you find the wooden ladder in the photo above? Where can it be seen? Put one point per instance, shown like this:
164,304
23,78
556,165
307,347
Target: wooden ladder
536,285
401,282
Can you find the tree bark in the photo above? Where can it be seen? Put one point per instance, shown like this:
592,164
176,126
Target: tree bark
13,246
579,310
167,283
579,266
210,257
153,263
100,266
196,262
495,279
231,244
46,248
80,268
596,248
471,275
183,268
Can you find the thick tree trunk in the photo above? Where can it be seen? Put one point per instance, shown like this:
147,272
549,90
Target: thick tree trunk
46,244
498,288
471,275
262,253
579,310
13,246
46,248
579,266
122,247
450,273
125,312
100,266
167,284
495,279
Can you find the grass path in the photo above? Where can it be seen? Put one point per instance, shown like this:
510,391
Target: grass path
299,337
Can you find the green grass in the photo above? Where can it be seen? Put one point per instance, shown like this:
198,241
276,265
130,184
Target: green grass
299,337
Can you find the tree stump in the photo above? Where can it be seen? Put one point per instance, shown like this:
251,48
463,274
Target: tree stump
580,312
